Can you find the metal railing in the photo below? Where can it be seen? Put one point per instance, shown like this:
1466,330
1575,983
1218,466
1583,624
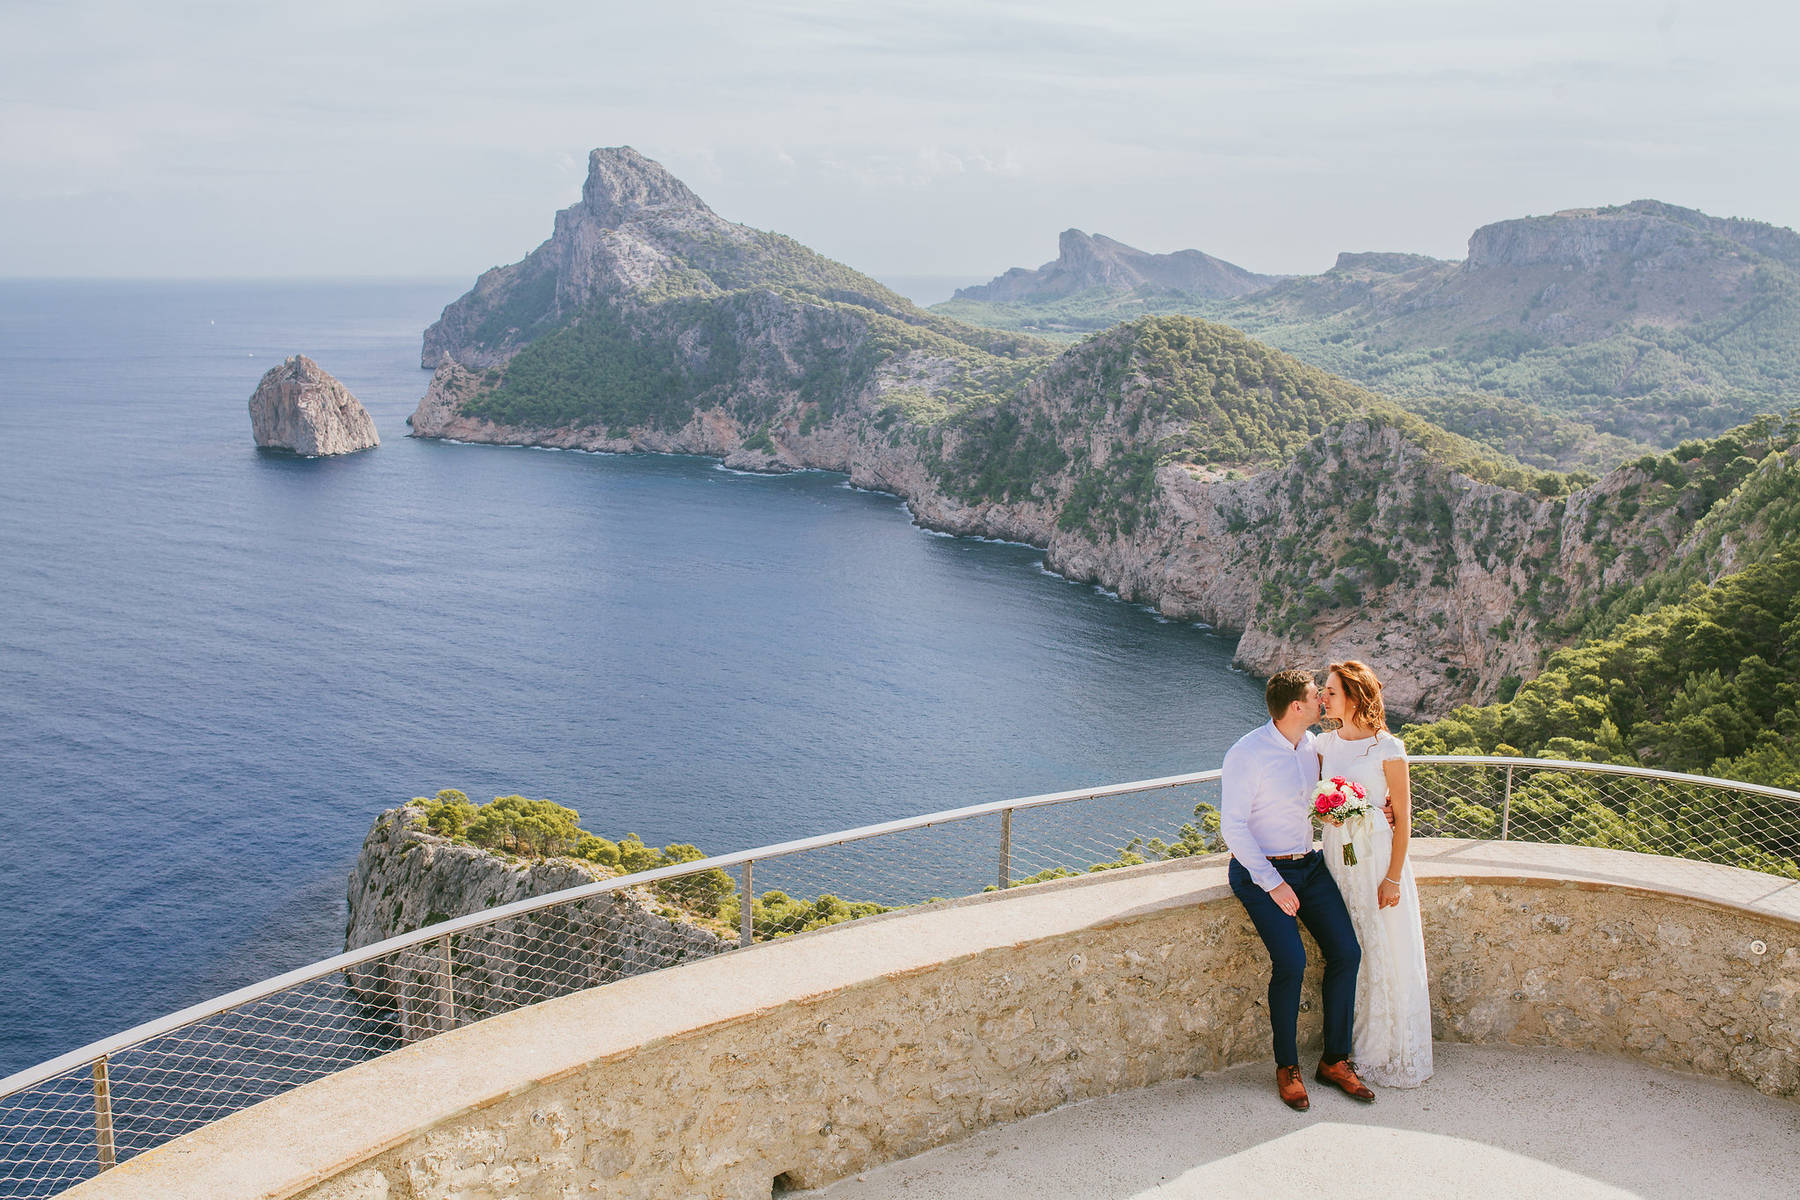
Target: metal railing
76,1115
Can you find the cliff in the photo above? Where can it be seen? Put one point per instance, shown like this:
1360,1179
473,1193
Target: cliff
638,236
407,878
1095,263
1175,461
1640,231
299,407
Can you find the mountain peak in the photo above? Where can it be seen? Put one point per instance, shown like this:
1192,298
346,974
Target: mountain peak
622,183
1086,261
1583,238
1071,240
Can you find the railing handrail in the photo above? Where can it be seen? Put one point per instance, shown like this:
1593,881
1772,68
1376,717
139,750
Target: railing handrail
587,891
138,1034
1559,764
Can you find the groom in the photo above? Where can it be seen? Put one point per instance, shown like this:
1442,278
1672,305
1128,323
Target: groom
1266,818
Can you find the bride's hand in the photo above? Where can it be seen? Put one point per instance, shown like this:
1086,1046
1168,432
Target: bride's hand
1387,895
1328,819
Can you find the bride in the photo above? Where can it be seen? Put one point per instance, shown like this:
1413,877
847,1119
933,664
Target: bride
1393,1006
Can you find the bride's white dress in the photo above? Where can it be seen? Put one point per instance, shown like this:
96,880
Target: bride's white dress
1392,1036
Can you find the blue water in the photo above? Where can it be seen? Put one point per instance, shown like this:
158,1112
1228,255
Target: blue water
217,665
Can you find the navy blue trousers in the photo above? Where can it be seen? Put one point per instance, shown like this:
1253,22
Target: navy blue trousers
1322,908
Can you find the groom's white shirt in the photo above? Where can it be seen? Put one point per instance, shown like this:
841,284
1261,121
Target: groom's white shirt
1263,793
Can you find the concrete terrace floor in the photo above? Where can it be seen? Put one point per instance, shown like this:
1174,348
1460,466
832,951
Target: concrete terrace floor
1493,1122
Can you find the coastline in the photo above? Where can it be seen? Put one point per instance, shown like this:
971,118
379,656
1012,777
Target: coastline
968,525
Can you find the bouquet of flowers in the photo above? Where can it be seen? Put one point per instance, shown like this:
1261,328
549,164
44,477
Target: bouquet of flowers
1339,799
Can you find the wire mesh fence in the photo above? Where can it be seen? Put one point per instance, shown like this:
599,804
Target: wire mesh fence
1620,808
77,1115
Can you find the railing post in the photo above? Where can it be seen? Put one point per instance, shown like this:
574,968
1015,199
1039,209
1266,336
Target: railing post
746,918
105,1149
1506,807
446,985
1006,849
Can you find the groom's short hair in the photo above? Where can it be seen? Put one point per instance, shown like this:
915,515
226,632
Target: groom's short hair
1284,688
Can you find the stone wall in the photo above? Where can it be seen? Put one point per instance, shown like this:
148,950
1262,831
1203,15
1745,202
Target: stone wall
800,1062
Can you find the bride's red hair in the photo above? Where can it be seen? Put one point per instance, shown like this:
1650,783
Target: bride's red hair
1362,693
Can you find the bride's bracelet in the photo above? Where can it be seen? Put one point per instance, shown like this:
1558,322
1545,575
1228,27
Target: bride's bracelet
1387,879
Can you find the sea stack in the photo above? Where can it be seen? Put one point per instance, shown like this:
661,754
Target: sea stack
299,407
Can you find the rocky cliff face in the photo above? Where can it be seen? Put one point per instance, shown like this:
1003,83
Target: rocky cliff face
1645,322
1643,229
1573,277
299,407
606,242
1086,262
407,878
638,233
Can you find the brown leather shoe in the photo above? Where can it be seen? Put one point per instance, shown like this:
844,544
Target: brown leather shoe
1290,1089
1342,1075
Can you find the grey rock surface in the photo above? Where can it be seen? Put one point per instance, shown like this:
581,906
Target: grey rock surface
1637,232
299,407
407,878
614,240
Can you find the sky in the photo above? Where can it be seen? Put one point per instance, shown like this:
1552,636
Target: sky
940,137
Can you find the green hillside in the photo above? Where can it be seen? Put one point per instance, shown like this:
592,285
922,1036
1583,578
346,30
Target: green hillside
625,365
1573,341
1677,672
1177,389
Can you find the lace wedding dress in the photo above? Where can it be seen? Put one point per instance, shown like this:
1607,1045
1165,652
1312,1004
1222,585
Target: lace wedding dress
1392,1035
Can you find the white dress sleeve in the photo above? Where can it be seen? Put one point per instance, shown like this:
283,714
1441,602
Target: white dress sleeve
1391,747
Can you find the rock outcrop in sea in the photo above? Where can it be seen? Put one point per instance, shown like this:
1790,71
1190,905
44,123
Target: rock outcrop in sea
299,407
407,878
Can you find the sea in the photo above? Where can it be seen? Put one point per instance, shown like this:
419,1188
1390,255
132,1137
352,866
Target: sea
218,665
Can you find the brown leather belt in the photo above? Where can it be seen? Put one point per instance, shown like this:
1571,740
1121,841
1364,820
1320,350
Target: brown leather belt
1289,857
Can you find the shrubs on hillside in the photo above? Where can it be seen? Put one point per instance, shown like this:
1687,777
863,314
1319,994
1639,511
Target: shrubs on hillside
1705,685
515,825
540,828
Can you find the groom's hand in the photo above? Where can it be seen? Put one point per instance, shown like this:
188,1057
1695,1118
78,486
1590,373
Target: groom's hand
1285,899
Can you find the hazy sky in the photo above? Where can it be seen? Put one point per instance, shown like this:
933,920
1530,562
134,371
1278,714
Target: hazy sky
436,139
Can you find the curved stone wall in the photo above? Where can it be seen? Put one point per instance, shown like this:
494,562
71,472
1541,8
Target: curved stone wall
798,1062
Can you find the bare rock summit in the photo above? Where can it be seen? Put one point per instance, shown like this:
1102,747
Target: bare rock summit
636,228
1086,262
299,407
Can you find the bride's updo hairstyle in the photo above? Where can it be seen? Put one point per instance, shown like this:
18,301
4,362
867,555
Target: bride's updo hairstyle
1362,693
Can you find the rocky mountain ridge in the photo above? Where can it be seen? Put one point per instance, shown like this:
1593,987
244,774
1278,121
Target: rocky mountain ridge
1640,324
639,236
1641,230
1087,262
